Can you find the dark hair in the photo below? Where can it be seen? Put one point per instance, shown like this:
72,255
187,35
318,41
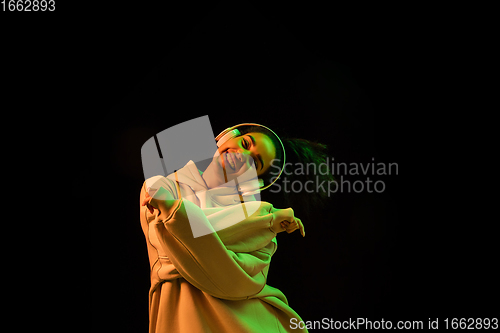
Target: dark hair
299,153
308,156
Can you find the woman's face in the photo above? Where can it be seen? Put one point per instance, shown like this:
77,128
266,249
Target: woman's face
245,150
237,156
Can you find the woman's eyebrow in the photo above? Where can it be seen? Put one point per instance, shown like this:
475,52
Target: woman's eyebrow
257,155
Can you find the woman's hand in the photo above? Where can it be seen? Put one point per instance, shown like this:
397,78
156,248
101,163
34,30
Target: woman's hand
146,202
291,227
284,220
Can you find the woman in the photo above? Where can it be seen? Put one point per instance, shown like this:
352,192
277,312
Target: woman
216,282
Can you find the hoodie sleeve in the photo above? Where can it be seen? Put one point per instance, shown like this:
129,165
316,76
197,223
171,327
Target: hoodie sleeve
167,186
251,233
205,261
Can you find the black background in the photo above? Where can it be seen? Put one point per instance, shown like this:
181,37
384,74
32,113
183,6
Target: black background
352,78
363,80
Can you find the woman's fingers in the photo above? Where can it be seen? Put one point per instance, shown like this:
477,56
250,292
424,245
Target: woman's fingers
290,227
150,208
301,227
146,203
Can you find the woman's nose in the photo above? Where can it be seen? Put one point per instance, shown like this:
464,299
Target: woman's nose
240,154
248,158
237,155
245,154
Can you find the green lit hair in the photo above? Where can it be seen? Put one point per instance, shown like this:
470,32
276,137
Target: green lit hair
300,151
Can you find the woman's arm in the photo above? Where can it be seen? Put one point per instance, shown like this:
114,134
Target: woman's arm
205,261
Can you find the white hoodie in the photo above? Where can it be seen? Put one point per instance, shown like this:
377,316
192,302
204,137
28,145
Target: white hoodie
216,282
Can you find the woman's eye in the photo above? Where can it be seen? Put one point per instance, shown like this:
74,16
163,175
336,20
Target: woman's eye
245,144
